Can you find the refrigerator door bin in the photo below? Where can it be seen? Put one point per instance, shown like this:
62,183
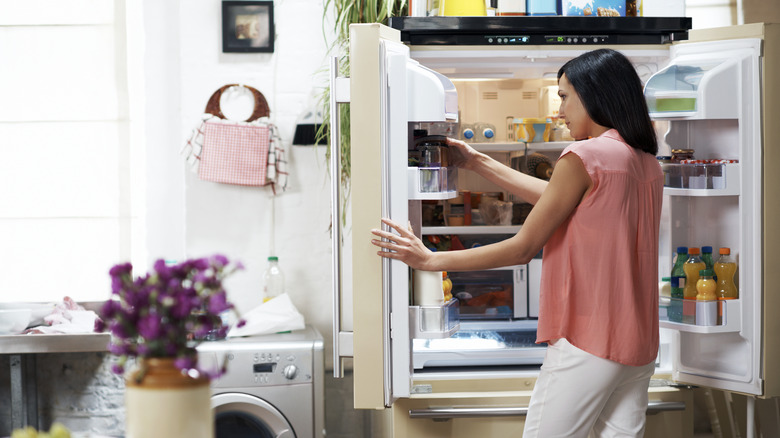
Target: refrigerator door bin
702,179
697,88
716,316
432,182
434,322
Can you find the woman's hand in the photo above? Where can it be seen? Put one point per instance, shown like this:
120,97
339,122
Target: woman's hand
404,246
461,154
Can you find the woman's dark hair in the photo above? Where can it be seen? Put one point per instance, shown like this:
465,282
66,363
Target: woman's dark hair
611,92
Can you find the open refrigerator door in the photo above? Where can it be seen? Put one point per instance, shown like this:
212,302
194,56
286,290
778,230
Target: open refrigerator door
387,90
711,95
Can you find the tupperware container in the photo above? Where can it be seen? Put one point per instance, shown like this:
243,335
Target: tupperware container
675,101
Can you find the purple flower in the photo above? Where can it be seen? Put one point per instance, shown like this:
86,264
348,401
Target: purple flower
218,303
117,368
117,329
184,306
157,314
220,260
150,326
162,269
121,269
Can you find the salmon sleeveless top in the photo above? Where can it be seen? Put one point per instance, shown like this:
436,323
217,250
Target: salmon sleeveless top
599,286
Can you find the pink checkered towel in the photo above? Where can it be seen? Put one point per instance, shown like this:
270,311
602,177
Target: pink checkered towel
235,153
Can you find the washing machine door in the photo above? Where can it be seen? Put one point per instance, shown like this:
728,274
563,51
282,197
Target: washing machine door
239,415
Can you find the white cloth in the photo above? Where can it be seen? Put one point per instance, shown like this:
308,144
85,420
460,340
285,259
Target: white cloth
67,317
577,391
275,315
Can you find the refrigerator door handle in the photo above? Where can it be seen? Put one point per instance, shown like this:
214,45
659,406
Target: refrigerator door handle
653,407
339,93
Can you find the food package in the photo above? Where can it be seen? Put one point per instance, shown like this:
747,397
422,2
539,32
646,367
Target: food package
495,212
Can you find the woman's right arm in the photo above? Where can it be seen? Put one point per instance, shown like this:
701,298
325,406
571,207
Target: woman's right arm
526,187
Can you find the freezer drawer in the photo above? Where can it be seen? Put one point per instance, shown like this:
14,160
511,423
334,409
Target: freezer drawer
502,413
493,294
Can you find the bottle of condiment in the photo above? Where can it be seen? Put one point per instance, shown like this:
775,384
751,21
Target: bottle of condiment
706,304
678,273
705,286
665,287
446,286
692,266
273,280
681,154
725,268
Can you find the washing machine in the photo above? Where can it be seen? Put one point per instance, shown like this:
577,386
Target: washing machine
273,385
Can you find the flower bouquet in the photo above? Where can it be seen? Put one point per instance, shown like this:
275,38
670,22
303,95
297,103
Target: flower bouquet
164,313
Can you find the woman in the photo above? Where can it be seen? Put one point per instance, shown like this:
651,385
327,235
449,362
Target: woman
597,219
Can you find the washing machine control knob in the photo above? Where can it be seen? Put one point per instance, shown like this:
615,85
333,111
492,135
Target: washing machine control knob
290,371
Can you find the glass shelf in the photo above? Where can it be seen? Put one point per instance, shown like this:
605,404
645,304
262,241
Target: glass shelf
472,229
519,145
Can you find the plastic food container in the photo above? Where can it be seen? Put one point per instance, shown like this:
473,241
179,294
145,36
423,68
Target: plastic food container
533,130
675,101
696,174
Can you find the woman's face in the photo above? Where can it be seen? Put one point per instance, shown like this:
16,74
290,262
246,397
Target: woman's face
573,111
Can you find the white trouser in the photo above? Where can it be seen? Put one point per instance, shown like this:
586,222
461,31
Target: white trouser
577,392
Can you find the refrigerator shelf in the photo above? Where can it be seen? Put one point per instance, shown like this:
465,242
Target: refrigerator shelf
519,145
434,322
716,316
701,179
472,229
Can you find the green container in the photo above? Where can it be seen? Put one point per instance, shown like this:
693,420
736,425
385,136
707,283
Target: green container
675,101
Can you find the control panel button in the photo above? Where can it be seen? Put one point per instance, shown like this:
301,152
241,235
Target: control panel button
290,371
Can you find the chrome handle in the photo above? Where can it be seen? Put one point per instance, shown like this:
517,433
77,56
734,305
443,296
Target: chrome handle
448,413
339,93
653,407
335,208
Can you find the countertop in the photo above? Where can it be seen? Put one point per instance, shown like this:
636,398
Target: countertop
54,343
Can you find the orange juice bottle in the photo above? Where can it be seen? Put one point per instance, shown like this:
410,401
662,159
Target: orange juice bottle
725,268
692,266
705,286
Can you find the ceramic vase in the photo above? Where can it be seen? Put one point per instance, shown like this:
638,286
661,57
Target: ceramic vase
161,401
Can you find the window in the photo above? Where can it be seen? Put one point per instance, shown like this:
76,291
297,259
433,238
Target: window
711,13
71,175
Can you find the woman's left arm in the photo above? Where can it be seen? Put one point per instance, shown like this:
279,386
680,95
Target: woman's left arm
569,185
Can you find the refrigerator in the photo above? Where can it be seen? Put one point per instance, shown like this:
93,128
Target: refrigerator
398,78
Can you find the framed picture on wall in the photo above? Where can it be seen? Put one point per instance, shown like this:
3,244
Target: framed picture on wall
247,26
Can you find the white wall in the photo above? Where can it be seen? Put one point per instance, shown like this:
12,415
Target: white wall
189,217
